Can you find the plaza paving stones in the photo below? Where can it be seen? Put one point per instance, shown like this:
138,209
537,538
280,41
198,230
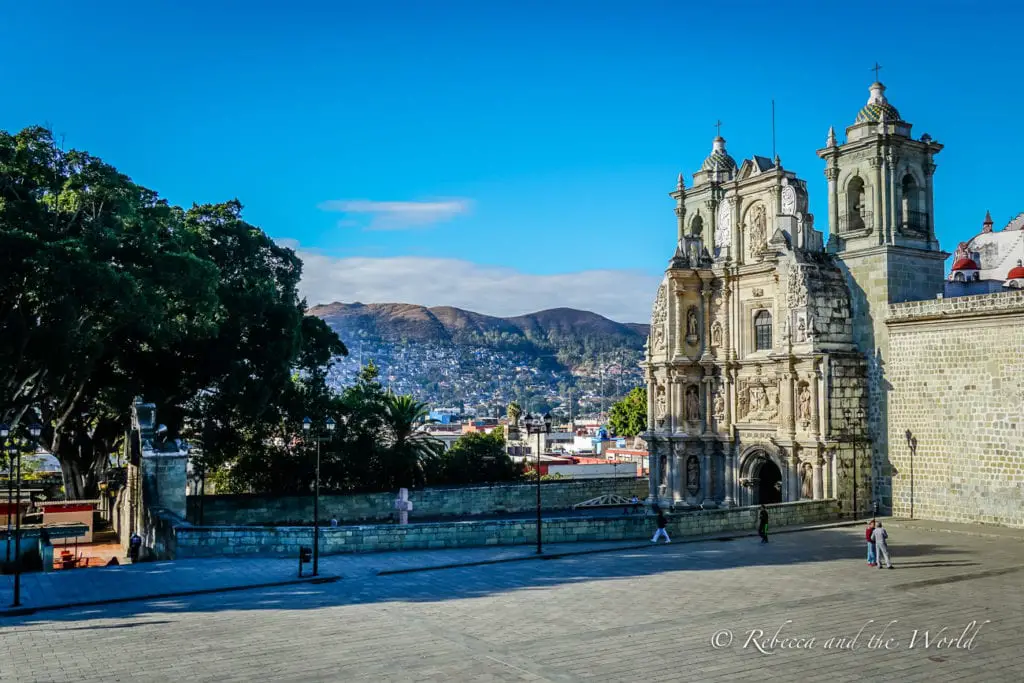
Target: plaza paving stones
649,614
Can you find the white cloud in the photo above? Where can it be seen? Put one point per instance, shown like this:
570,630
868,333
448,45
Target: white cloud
395,215
622,295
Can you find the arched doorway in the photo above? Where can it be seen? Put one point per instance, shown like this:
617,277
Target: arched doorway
761,478
769,483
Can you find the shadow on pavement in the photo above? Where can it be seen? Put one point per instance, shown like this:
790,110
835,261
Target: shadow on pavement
843,547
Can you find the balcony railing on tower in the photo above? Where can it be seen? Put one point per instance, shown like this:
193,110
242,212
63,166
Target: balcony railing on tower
855,221
915,221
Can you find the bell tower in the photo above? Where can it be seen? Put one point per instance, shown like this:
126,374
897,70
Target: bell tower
882,231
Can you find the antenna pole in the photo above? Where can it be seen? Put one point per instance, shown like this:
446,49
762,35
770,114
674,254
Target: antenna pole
773,129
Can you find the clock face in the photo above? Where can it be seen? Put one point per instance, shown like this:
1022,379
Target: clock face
788,200
723,233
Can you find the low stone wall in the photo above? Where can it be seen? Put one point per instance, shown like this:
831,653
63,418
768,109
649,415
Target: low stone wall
194,542
427,503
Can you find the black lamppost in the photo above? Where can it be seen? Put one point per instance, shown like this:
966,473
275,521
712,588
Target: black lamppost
538,425
307,427
854,431
8,449
34,431
912,445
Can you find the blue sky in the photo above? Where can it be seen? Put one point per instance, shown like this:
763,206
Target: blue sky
503,156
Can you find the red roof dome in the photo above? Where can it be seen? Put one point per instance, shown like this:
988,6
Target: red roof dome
1016,273
965,264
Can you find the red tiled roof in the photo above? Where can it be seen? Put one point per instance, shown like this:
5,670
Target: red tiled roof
1016,273
965,264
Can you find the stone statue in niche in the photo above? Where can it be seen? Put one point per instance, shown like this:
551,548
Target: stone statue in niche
716,334
691,323
806,481
663,471
805,404
692,474
719,405
758,399
801,329
660,404
692,404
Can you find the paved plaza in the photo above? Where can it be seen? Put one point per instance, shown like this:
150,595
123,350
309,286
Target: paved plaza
702,611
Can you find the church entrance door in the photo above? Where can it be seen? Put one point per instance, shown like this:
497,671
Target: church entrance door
769,484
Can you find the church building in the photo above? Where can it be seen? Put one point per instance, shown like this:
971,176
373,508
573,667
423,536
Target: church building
766,356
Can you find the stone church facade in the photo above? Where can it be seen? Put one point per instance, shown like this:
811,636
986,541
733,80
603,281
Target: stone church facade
766,360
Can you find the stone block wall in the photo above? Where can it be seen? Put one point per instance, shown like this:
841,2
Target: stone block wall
195,542
427,503
877,277
957,384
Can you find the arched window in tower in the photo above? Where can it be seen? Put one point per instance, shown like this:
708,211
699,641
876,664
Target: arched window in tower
697,226
958,277
913,216
857,216
763,331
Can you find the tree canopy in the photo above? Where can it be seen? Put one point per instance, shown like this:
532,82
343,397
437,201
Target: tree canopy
108,292
628,417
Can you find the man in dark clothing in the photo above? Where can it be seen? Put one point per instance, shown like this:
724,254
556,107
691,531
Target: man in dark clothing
762,524
662,523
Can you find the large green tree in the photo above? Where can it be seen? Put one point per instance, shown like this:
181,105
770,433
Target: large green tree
107,293
628,417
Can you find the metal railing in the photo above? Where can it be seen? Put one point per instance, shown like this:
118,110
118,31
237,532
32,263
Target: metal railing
855,221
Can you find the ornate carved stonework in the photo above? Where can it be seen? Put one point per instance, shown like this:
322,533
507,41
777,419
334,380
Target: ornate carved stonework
658,319
757,225
796,295
788,200
692,475
758,400
758,292
723,230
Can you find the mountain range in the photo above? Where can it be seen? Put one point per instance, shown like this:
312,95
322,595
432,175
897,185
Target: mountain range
572,334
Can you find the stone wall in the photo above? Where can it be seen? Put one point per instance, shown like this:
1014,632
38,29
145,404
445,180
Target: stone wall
956,372
877,277
427,503
194,542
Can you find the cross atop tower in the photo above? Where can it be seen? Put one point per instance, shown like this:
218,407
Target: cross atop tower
876,68
718,128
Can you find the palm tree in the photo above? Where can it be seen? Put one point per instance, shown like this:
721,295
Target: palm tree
408,446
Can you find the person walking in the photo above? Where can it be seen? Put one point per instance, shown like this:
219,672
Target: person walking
868,531
880,536
662,523
762,524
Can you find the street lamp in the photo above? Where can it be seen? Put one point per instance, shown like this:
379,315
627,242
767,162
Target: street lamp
34,431
538,425
307,428
854,433
8,448
912,445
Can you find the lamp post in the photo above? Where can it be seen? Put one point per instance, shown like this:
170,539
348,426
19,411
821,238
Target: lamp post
854,433
34,431
307,427
912,445
7,449
538,425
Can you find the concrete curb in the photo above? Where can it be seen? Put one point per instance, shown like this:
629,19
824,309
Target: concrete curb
594,551
27,611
